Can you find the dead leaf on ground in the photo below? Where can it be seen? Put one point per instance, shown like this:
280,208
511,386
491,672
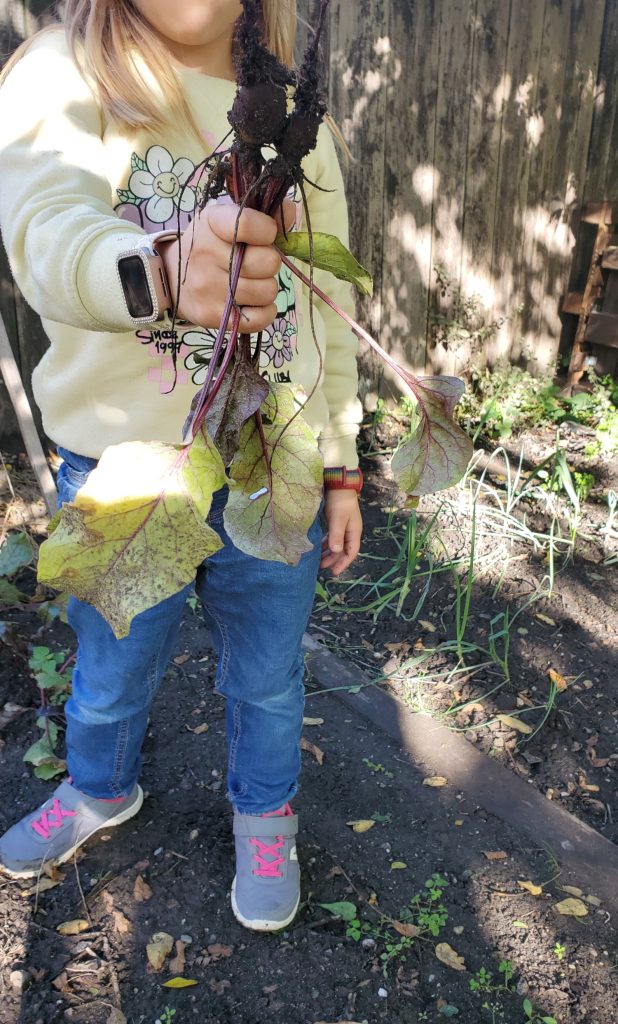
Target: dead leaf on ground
410,931
572,907
398,865
158,949
495,854
181,659
313,721
402,647
593,900
218,951
9,713
220,986
436,781
61,983
177,965
116,1016
361,825
530,887
121,923
429,626
52,871
179,983
141,890
447,955
334,871
199,729
73,927
42,885
572,890
514,723
545,618
312,749
558,680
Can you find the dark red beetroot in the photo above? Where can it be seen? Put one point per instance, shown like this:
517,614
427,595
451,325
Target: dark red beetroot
259,113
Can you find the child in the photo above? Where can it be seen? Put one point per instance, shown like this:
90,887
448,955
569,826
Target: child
102,127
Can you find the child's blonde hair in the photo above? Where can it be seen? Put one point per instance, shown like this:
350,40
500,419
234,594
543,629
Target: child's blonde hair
104,36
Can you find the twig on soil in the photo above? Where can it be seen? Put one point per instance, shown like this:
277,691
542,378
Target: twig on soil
81,891
113,977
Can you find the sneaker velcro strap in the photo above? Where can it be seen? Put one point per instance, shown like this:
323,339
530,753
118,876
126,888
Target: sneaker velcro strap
265,828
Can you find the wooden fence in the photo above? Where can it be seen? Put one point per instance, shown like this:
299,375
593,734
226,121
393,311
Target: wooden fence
476,128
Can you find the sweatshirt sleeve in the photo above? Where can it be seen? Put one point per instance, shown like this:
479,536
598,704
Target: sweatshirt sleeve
59,229
328,213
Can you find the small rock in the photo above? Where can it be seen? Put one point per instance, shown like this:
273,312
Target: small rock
19,981
368,943
158,851
382,993
458,929
315,993
186,939
522,988
194,833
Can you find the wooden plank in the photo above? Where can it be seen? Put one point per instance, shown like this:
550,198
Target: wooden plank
601,212
602,329
409,183
482,203
512,278
361,69
457,19
602,172
581,851
610,260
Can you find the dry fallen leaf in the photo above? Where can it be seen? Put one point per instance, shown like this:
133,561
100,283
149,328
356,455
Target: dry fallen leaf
447,955
218,951
514,723
42,885
435,780
199,729
409,930
593,900
572,890
220,986
177,965
495,854
572,907
180,660
362,825
429,626
62,982
559,681
313,721
544,618
121,923
530,887
312,749
73,927
459,822
9,713
179,983
398,865
141,890
158,949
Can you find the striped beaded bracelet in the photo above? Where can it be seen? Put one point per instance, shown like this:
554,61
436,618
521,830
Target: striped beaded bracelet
339,478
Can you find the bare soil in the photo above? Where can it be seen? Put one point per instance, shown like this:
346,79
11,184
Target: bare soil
181,844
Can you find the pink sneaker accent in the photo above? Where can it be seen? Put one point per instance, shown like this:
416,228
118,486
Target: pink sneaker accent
51,819
268,868
283,812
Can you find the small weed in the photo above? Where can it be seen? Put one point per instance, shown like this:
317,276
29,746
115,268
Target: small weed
483,979
53,678
193,601
532,1017
559,951
426,909
167,1016
376,767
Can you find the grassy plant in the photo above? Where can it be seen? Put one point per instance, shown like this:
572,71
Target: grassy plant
483,979
532,1017
53,678
559,951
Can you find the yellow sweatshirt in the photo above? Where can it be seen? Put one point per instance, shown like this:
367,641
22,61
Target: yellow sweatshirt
74,193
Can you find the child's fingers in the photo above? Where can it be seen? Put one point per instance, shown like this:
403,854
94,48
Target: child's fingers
255,318
251,227
287,213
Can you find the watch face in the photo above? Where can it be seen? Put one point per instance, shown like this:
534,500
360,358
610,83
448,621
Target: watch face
135,286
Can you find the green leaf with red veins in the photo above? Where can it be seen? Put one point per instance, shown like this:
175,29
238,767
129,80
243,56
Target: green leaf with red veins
135,532
241,394
437,452
271,507
328,254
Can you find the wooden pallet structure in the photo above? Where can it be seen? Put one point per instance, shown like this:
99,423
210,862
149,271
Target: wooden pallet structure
597,306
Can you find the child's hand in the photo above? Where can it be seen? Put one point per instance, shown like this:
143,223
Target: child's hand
204,276
345,526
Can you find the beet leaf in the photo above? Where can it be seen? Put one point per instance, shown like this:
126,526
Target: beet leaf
328,254
276,482
136,531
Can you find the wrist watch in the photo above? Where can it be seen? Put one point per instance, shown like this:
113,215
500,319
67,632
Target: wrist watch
143,280
340,478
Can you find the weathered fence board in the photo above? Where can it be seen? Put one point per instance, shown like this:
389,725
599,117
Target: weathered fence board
476,128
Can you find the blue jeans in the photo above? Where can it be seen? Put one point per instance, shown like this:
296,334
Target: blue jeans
257,612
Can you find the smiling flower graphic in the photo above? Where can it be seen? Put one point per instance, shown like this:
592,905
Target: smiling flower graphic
162,182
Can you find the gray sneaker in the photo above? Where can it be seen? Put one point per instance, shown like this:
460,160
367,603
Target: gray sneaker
266,889
51,834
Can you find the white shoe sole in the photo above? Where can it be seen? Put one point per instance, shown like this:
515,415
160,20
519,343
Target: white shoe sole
258,924
118,819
